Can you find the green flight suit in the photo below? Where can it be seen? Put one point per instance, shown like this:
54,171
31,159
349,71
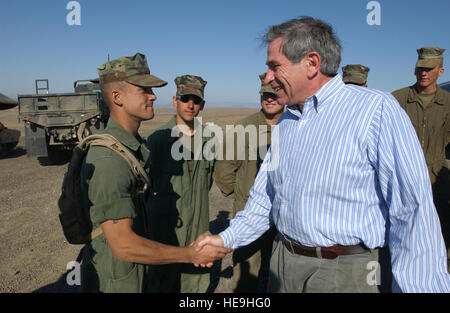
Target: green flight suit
432,125
235,178
107,186
178,211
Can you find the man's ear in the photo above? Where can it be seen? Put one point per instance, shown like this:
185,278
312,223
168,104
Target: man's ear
116,96
174,101
313,62
441,71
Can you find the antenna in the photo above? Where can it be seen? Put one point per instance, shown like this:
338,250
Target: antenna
108,57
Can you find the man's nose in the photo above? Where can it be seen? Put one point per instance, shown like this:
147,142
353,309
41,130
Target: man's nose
421,71
269,77
150,95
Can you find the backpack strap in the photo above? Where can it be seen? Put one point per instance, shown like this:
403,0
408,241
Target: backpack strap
111,142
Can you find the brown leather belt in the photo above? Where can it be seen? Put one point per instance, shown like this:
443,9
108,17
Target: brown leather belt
324,252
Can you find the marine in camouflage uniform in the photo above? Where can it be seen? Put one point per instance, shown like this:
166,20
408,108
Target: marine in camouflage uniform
116,260
428,107
355,74
179,210
235,178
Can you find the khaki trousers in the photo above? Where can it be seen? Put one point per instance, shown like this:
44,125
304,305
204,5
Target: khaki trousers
345,274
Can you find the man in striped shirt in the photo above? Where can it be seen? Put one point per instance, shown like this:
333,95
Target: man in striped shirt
345,175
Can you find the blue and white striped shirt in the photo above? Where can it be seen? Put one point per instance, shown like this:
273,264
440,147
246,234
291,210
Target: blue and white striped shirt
349,169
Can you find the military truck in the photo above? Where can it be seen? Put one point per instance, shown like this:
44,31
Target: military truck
56,122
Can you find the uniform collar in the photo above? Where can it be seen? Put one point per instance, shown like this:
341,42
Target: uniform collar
262,118
439,96
173,123
125,138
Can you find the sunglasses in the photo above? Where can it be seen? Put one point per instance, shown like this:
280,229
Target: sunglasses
267,95
187,98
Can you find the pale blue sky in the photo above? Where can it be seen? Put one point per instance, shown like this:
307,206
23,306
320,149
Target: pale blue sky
218,40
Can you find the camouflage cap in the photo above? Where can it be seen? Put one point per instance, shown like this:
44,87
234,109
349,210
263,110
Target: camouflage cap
133,70
355,74
429,57
190,85
265,87
6,103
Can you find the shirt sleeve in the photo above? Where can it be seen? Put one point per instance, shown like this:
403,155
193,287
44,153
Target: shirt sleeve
418,256
250,223
110,189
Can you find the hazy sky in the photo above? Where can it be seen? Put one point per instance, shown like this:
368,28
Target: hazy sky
218,40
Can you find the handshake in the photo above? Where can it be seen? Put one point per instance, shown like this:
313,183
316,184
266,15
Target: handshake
207,249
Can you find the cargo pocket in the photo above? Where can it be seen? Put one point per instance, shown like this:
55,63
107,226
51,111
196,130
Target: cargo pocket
131,283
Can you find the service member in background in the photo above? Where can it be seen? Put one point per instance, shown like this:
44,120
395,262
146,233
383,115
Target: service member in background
235,177
355,74
115,261
179,210
428,107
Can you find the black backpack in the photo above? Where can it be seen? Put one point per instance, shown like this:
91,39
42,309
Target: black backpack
75,223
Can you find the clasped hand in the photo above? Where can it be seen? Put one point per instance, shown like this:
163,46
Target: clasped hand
208,248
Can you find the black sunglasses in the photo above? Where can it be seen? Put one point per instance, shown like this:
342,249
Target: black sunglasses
187,98
267,95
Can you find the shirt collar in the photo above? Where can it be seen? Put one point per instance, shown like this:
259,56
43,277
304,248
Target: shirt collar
125,138
319,99
439,96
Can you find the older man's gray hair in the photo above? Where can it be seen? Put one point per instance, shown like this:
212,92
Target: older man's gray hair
307,34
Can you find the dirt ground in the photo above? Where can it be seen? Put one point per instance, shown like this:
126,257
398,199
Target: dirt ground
33,251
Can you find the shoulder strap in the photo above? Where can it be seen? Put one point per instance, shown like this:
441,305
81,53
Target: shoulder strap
109,141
